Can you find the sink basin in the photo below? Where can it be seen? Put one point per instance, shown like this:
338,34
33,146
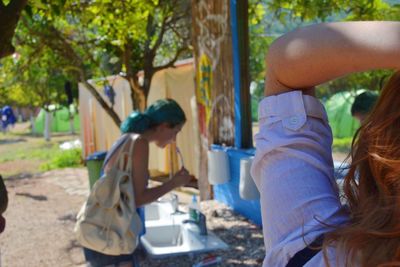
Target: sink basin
165,236
157,211
177,239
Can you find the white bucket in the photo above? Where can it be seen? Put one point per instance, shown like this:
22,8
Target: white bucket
247,188
218,167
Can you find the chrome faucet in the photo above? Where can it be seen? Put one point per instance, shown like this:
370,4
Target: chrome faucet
174,203
201,223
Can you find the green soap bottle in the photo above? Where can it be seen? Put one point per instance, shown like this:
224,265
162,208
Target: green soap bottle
194,209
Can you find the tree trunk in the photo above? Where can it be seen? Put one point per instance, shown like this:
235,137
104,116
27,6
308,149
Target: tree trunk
71,122
148,73
9,16
139,101
137,96
47,125
110,111
71,126
32,120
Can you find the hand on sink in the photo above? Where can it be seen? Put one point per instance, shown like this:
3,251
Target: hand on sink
182,177
193,183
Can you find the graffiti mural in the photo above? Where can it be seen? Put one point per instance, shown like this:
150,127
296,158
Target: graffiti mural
203,92
213,29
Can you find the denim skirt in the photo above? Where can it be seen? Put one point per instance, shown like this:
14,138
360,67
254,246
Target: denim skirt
97,259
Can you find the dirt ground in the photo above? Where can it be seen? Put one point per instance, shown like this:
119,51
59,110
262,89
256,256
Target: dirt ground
41,217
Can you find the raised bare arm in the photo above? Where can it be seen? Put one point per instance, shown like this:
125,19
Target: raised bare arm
316,54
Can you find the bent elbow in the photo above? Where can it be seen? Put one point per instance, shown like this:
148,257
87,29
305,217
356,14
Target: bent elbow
287,50
140,200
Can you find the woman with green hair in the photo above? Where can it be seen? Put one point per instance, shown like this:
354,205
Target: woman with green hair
159,124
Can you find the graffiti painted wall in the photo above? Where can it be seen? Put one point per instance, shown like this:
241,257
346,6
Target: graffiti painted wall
212,41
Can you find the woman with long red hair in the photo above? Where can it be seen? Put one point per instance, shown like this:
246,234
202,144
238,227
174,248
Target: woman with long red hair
304,222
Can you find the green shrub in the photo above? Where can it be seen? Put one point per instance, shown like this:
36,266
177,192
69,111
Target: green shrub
64,159
342,144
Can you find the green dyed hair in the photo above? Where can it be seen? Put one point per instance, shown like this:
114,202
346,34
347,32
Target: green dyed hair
364,102
161,111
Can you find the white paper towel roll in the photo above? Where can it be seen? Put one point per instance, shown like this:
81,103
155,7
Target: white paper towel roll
247,188
218,167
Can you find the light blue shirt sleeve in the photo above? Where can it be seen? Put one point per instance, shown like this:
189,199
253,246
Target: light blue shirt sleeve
293,170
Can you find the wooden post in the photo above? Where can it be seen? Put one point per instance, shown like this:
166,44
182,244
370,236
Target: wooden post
212,42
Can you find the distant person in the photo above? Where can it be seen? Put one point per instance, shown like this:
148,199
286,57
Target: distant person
363,104
7,118
304,222
3,204
158,124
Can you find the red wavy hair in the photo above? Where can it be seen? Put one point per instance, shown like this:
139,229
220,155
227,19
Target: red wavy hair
372,187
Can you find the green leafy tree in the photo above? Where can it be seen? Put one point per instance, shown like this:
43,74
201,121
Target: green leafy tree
32,77
31,83
325,10
148,38
99,38
281,16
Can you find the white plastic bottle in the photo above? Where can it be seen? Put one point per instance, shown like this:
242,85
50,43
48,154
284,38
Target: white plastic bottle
194,209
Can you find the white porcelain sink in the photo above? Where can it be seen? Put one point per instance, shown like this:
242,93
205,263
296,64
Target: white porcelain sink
173,240
164,236
158,211
167,235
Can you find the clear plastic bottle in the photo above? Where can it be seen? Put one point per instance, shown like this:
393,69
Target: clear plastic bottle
194,209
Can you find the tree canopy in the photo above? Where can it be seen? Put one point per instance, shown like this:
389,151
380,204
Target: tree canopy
280,16
89,39
73,40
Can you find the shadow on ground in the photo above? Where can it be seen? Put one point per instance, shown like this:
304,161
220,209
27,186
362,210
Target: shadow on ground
11,141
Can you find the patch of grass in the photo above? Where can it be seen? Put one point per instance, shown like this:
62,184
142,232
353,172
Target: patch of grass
342,144
64,159
22,152
39,150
